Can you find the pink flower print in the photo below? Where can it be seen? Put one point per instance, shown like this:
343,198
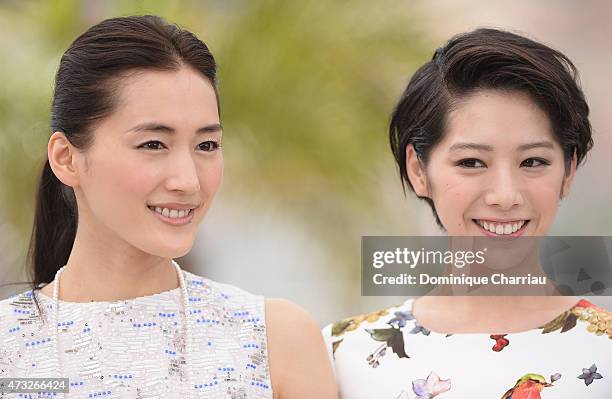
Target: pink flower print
431,387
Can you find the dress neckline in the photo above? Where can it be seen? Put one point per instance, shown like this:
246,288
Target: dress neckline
582,302
175,292
159,295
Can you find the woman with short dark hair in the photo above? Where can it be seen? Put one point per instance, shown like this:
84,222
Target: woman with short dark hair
489,132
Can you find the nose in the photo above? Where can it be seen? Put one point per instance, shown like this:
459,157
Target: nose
504,190
183,174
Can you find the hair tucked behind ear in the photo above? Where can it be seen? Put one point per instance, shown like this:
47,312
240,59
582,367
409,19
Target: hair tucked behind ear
86,87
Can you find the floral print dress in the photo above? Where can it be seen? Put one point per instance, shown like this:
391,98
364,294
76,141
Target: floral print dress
387,354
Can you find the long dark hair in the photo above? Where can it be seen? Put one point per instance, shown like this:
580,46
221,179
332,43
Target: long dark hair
86,87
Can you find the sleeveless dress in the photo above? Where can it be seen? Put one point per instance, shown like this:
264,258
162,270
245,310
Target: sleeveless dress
135,348
387,354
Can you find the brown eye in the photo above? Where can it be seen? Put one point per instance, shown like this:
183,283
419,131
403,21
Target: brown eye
151,145
470,163
209,146
530,162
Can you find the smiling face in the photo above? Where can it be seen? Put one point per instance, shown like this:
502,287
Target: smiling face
160,148
498,169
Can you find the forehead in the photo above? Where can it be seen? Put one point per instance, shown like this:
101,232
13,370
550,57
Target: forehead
183,99
498,118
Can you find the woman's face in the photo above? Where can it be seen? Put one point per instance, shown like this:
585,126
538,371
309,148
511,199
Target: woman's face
498,169
160,148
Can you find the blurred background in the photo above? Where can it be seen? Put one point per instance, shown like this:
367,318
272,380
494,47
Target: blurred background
306,92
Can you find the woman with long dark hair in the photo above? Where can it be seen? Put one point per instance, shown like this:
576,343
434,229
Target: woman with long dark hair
134,162
489,132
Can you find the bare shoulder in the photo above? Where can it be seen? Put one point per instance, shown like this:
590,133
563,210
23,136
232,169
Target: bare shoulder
288,326
284,313
297,353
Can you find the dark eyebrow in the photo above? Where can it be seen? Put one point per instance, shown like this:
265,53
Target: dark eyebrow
470,146
537,144
485,147
158,127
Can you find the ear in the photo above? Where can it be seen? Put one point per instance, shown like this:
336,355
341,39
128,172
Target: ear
569,177
62,159
416,172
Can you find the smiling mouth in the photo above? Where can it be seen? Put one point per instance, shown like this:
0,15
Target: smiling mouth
500,229
172,214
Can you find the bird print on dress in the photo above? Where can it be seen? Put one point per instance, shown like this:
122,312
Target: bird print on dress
529,386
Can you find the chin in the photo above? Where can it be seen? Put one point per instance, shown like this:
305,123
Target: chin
172,252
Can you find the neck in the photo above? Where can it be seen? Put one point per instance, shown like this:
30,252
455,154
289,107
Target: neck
488,314
119,280
99,270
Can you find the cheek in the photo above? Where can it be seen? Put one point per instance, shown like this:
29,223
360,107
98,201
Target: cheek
122,179
452,194
136,179
544,196
211,176
116,188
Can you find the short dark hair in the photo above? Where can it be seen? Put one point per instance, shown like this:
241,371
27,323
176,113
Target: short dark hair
489,59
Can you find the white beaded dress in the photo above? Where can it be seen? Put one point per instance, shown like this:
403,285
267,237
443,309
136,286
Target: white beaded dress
136,348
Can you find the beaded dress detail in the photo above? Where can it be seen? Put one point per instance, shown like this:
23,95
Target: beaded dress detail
135,348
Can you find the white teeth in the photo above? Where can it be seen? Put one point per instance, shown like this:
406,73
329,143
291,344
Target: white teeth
501,228
172,213
507,228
